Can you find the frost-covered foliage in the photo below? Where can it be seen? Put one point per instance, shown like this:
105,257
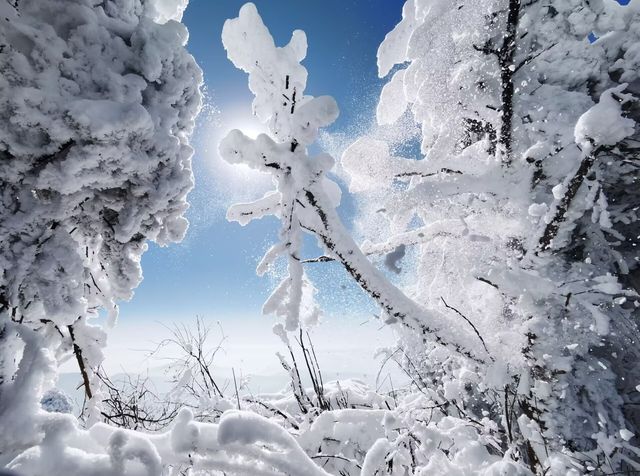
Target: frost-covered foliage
97,101
278,80
530,143
518,315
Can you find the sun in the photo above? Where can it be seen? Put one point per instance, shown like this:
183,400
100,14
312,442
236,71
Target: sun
236,182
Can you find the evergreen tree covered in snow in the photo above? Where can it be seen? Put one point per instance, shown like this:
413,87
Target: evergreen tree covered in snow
97,101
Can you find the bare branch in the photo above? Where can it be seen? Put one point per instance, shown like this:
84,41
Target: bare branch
81,364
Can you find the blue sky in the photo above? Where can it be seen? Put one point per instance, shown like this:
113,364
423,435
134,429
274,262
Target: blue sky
212,273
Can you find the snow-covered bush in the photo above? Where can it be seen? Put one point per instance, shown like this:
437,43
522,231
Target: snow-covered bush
97,101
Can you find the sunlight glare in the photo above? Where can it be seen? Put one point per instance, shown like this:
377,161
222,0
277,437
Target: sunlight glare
234,182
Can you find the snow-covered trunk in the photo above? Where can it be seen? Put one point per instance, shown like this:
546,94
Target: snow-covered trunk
506,61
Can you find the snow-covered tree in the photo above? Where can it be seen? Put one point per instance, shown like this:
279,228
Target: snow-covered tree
97,102
519,316
527,130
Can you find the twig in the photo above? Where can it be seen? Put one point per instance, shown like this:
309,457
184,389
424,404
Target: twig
475,329
275,410
342,458
235,384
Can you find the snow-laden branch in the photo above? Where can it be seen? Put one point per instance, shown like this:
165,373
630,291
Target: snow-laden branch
424,234
243,443
305,199
598,129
